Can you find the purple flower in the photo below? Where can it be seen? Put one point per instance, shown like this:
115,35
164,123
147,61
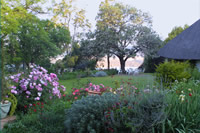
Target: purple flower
37,99
31,86
39,89
45,84
16,80
19,74
13,87
14,91
44,70
30,82
35,77
23,87
30,76
12,77
28,92
53,76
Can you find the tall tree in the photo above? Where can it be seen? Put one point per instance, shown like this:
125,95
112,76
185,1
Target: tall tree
11,12
175,31
39,40
89,52
67,14
125,25
150,44
9,24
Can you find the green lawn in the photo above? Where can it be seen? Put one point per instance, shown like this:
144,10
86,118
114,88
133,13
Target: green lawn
140,81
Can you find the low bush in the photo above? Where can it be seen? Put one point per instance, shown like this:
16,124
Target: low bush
138,113
87,115
50,120
100,74
111,71
168,72
76,94
195,74
67,75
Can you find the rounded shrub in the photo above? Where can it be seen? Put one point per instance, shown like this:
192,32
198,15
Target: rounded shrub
100,74
168,72
87,115
34,85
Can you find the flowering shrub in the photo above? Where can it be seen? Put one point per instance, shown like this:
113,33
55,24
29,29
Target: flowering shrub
99,88
79,93
35,107
76,94
35,85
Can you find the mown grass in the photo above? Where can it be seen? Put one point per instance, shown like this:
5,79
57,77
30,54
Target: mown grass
140,81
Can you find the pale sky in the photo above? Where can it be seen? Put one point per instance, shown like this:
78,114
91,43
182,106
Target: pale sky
166,14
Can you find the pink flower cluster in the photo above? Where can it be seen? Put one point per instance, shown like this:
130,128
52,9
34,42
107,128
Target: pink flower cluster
37,81
99,88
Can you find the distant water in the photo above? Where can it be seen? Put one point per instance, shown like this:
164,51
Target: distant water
118,68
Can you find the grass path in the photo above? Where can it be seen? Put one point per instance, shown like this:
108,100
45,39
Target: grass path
139,81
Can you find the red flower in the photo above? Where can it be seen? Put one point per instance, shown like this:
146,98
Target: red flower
42,106
34,110
64,95
34,104
107,116
38,103
190,94
25,106
42,103
110,129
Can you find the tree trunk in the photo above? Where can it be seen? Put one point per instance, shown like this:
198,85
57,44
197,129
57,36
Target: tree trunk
108,61
122,63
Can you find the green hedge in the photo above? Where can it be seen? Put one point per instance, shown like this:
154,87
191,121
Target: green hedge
168,72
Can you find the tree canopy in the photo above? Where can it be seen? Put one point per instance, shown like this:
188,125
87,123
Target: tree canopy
120,27
175,31
37,41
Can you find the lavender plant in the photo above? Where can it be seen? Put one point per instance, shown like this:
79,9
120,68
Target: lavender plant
87,115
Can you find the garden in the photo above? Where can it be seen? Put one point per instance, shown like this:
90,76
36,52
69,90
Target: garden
42,104
52,81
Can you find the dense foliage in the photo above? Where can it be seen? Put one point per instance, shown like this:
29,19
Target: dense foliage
48,120
87,114
183,105
36,85
168,72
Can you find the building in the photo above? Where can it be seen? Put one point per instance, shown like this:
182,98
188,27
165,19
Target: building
185,46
